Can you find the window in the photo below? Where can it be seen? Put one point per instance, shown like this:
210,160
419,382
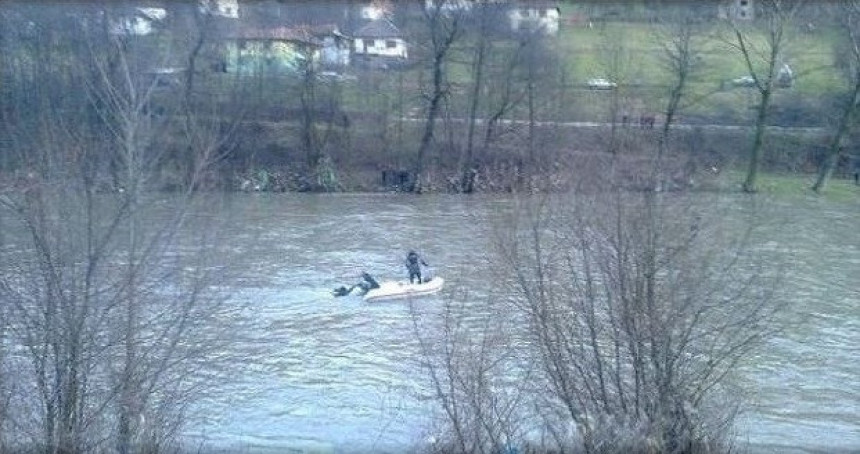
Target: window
390,44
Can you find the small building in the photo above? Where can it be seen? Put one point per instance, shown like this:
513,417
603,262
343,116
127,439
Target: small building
535,16
335,47
140,21
742,10
380,40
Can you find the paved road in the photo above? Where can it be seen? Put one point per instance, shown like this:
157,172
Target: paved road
635,125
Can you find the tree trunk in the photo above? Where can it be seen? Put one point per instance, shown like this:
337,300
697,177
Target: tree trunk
778,16
308,100
432,114
825,170
750,185
443,33
467,182
680,56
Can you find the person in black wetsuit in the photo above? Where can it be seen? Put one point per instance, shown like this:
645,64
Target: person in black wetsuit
857,170
413,265
366,284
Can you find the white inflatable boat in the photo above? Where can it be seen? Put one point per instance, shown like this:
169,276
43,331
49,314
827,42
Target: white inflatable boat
389,290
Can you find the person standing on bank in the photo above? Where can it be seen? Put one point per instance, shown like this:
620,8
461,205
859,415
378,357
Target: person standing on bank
413,265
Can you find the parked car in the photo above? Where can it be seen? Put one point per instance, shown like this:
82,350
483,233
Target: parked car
601,84
744,81
785,77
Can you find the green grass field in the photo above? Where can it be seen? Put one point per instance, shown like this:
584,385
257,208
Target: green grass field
632,54
791,186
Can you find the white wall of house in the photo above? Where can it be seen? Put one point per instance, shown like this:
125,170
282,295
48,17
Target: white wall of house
333,54
546,18
136,26
388,47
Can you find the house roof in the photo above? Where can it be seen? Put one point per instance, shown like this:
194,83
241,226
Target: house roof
379,28
535,5
295,34
321,30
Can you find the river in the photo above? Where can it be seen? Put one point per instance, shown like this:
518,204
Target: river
320,374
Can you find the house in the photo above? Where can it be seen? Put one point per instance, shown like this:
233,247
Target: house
535,16
140,21
737,10
145,19
380,41
220,8
449,6
276,50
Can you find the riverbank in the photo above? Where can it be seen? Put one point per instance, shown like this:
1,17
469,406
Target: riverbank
777,184
560,156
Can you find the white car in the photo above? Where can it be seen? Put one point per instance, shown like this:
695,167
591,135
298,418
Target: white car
601,84
745,81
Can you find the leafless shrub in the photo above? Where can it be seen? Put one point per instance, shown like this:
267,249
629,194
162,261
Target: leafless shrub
108,299
476,376
638,307
630,312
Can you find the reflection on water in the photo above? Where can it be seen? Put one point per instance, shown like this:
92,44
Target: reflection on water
321,374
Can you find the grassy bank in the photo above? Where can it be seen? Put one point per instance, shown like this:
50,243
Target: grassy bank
791,186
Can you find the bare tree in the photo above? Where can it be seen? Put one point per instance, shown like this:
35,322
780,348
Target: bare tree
321,118
676,37
762,62
501,78
848,16
482,47
112,316
616,323
540,67
616,60
444,28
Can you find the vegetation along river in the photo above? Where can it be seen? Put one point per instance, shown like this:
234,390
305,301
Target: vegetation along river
322,374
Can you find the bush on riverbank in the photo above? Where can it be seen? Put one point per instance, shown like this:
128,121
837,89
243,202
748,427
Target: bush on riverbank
569,157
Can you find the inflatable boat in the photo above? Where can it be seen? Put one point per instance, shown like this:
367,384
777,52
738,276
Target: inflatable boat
389,290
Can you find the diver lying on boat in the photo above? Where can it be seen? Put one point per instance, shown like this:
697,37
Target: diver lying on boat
366,284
